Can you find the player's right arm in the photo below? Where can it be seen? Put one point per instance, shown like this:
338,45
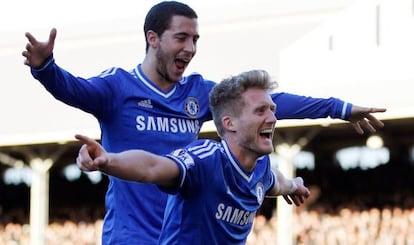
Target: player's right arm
133,165
89,95
36,52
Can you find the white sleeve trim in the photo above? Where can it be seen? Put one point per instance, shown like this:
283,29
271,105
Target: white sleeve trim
344,110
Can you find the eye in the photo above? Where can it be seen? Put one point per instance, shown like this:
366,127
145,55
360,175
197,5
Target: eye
181,39
261,110
195,40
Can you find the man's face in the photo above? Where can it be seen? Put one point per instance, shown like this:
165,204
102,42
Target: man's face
256,123
177,46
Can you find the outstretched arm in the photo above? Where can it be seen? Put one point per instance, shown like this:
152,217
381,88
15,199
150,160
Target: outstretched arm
135,165
37,52
300,107
362,118
292,190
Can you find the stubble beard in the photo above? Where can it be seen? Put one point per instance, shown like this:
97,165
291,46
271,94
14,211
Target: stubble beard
251,145
162,67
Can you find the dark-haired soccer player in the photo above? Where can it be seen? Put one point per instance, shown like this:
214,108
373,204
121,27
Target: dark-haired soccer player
154,108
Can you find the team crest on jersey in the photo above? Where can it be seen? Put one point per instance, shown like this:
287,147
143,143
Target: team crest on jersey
192,107
260,192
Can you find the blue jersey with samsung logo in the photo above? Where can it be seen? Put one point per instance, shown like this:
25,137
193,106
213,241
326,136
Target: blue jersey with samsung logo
216,200
134,114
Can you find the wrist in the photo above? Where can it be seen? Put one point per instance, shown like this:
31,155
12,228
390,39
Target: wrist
45,64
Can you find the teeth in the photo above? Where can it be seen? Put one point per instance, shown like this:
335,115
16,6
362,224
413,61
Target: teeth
184,59
266,131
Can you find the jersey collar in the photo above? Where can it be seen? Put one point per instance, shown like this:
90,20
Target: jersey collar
236,163
147,82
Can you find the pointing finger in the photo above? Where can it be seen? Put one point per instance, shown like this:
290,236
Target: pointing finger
84,139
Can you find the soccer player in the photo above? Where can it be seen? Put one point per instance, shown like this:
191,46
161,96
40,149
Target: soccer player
216,187
154,108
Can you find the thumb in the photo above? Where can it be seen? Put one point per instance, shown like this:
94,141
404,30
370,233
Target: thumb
299,180
52,37
101,161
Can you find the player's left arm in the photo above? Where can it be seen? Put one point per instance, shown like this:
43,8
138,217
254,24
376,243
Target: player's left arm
292,190
301,107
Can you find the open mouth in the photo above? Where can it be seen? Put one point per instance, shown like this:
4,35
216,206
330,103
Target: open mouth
267,133
181,63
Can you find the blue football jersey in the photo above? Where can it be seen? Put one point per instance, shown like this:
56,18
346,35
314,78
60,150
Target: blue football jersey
134,114
216,200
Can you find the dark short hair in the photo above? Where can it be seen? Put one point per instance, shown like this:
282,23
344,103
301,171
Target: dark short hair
159,17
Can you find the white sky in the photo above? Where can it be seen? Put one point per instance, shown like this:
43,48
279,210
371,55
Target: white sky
44,13
19,14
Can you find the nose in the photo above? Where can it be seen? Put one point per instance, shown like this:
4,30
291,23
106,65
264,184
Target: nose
190,46
272,117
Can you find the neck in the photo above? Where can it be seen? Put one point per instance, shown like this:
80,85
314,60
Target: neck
247,159
150,71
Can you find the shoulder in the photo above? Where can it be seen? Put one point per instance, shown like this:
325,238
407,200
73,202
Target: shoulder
198,151
264,170
204,147
113,71
263,162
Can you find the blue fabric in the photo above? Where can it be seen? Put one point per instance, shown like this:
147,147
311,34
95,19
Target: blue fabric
217,200
134,114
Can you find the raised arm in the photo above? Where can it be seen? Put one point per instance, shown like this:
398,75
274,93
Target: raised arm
134,165
301,107
292,190
37,52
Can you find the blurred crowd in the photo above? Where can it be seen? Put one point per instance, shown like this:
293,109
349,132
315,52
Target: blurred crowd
350,226
67,226
318,225
354,207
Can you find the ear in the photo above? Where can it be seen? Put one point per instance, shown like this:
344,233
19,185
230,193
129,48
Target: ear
152,39
229,123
